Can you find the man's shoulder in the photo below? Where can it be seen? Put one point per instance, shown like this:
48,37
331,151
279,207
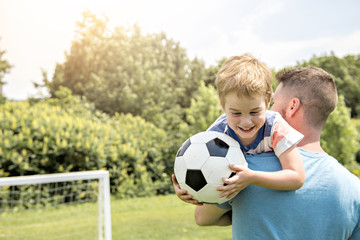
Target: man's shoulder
326,190
327,165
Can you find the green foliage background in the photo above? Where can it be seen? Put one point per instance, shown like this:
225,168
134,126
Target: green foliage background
63,135
346,73
125,101
339,136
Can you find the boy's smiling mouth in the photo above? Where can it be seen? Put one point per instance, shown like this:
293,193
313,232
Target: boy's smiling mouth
247,129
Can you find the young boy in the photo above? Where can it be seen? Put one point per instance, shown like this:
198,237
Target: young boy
245,89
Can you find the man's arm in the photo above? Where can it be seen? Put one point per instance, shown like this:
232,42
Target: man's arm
205,214
182,193
210,215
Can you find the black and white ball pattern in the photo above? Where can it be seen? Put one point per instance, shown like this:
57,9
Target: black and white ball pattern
203,160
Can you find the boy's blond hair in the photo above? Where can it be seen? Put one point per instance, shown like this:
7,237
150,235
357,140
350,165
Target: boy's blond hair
245,75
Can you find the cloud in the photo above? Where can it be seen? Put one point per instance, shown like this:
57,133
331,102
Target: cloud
349,44
277,54
286,53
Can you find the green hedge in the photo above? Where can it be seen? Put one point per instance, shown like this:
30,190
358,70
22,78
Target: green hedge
53,137
356,123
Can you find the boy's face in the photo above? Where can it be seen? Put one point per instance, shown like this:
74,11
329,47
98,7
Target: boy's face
245,115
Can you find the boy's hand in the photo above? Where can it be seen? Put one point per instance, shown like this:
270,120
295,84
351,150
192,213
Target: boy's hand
236,183
182,193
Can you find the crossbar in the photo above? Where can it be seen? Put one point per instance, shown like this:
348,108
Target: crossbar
51,178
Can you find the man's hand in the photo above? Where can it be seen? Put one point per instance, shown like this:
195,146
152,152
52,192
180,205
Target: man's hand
183,194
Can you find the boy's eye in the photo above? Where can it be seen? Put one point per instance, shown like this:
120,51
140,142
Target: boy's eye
254,113
236,114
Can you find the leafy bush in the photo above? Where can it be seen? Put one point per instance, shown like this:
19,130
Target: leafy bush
203,111
339,136
52,137
356,123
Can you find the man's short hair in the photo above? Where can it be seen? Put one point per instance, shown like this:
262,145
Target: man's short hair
316,90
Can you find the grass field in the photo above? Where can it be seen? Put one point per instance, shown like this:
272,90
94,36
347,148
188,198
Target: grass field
164,217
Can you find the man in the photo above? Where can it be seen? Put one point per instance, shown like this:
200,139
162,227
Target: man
328,204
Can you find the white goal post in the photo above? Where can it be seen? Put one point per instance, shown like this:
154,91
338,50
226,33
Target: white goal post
101,188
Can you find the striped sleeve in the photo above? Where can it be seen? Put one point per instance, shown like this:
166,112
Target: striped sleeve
283,136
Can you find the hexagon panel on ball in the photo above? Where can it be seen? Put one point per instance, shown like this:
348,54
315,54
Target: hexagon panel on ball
180,169
196,155
215,169
236,156
210,195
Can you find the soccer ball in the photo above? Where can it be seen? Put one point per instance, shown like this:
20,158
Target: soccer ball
203,160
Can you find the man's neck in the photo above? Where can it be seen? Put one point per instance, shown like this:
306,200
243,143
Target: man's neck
311,144
312,148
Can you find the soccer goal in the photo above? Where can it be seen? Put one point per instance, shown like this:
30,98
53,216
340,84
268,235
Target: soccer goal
56,206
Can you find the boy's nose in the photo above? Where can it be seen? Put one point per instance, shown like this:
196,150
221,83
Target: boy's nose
246,121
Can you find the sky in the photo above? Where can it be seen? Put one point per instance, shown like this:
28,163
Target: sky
36,34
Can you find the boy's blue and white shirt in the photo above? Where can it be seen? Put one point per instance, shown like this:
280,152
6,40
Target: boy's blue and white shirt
275,135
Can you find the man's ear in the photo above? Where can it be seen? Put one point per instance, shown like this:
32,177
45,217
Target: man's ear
292,107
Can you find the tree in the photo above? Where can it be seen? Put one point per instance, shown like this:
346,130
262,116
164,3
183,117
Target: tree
203,111
4,66
125,71
346,73
339,136
356,123
4,69
211,72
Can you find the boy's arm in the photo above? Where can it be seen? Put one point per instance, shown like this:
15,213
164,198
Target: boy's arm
291,177
293,168
211,215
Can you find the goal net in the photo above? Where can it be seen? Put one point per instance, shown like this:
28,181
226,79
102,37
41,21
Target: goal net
56,206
